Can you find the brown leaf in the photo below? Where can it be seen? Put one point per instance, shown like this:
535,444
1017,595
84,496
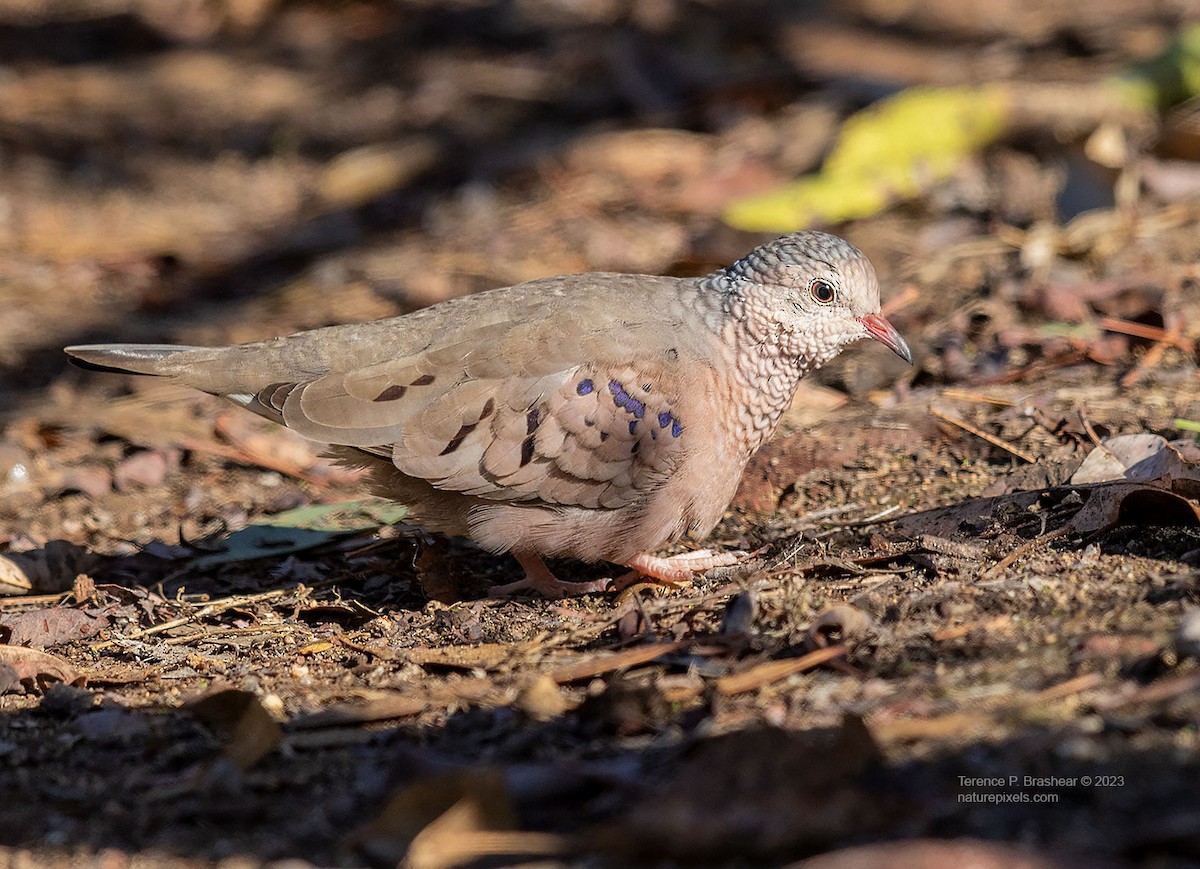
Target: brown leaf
1133,504
246,730
431,819
42,628
436,579
30,669
13,580
1139,458
83,589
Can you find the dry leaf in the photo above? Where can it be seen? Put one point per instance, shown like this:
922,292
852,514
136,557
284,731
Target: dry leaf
42,628
1140,458
29,669
1132,504
246,730
429,819
13,580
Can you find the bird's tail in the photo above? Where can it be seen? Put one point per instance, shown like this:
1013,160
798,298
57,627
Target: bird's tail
126,358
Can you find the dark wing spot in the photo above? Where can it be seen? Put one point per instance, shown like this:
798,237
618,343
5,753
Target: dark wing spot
456,441
633,427
423,380
276,394
625,401
526,451
392,393
633,449
488,409
532,420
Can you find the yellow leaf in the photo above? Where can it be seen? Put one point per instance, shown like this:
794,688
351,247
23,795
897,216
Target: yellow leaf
895,149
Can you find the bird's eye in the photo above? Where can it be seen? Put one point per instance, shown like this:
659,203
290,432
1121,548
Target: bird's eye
822,291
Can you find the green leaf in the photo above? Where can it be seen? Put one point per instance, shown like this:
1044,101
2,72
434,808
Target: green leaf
303,528
1168,79
342,516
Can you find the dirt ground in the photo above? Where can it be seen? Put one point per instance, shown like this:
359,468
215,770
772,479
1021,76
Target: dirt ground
950,644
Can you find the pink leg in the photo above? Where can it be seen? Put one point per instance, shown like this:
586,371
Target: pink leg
539,578
678,569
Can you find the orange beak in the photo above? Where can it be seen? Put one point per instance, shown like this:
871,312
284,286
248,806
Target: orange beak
885,333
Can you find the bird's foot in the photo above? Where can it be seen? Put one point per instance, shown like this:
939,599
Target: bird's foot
539,578
674,570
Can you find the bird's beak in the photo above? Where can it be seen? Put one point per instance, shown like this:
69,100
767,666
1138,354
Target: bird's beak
884,332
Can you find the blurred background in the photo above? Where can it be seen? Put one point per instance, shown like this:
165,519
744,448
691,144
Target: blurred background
224,170
1025,175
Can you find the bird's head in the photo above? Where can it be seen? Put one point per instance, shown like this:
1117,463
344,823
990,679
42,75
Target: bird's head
807,296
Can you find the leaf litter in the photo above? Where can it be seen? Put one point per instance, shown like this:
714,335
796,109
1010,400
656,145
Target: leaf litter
984,566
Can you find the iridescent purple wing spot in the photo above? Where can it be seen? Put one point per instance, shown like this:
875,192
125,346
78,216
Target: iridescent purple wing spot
624,400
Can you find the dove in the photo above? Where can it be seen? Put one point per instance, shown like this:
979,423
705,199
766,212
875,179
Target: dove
596,416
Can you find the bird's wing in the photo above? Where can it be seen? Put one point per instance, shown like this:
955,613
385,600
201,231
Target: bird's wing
546,407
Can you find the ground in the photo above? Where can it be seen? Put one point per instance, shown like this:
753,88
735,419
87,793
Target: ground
943,638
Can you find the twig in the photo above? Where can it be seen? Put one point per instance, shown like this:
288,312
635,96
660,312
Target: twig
599,664
1024,549
21,600
205,611
217,633
875,519
1091,432
1151,333
774,671
242,457
976,397
980,433
1152,358
1155,692
986,626
1086,682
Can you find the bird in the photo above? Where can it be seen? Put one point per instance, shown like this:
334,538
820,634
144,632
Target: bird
596,416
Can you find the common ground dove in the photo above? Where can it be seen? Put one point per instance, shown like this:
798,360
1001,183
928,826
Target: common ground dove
595,416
